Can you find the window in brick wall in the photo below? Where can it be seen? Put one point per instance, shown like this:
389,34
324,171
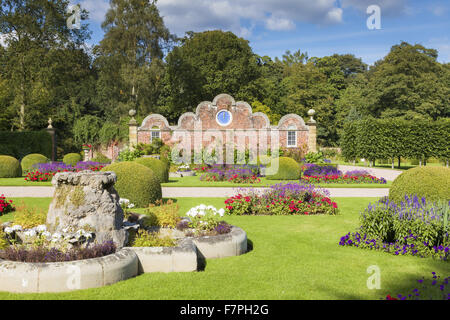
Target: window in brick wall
292,139
156,134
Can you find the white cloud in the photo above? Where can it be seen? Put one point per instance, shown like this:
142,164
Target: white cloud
279,24
442,45
438,10
97,8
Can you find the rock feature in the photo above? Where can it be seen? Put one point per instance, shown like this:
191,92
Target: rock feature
87,200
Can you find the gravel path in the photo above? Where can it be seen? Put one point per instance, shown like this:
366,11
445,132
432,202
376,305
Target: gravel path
184,192
388,174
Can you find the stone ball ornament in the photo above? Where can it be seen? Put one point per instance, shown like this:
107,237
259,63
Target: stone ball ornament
132,113
311,113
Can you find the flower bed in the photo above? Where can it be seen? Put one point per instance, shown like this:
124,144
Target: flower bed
282,199
436,290
231,173
313,173
46,171
413,228
6,206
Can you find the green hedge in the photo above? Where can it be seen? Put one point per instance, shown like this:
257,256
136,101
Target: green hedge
10,167
374,139
72,158
288,169
29,160
157,166
19,144
136,183
429,182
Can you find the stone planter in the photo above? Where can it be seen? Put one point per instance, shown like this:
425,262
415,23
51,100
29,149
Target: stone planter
221,246
180,174
182,258
22,277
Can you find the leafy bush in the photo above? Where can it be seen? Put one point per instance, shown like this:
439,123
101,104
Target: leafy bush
32,159
430,182
157,166
101,158
136,182
130,155
18,144
6,206
144,238
162,215
72,159
3,242
288,169
29,217
231,173
315,157
413,227
10,167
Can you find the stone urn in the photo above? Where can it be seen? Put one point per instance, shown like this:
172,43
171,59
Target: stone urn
87,200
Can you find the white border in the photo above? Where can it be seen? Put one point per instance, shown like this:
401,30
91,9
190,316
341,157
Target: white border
229,122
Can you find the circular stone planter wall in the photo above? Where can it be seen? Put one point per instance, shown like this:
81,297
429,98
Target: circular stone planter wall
180,174
224,245
22,277
182,258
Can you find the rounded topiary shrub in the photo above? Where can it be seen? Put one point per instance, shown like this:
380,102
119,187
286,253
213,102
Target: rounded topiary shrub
10,167
429,182
136,183
31,159
72,159
288,169
157,166
101,158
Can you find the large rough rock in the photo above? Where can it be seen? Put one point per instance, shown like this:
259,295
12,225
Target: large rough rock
87,200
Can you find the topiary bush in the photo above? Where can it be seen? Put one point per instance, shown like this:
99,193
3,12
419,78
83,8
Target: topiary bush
10,167
101,158
31,159
157,166
72,158
136,182
430,182
288,169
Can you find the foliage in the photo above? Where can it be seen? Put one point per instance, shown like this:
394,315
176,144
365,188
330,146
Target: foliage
315,157
9,167
19,144
144,238
47,254
231,173
72,159
86,130
311,169
29,217
31,159
414,227
260,107
130,155
157,166
288,169
282,199
430,182
101,158
162,214
136,182
6,206
393,138
436,290
206,220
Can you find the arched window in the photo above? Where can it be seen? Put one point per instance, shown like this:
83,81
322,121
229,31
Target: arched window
156,133
292,137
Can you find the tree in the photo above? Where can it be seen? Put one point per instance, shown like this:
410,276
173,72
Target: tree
130,56
205,65
409,83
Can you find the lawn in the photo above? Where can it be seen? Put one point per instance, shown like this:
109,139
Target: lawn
20,182
292,257
195,182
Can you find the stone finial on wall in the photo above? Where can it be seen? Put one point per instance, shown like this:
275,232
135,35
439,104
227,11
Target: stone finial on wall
133,132
312,135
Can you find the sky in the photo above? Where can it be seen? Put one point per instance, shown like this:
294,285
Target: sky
318,27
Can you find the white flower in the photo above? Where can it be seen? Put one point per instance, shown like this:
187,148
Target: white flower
124,201
17,228
221,212
41,228
9,230
56,235
46,234
30,233
131,206
65,230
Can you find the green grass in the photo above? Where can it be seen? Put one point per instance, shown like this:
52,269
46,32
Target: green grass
404,165
293,257
20,182
195,182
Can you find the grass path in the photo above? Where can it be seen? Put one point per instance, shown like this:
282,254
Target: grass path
293,257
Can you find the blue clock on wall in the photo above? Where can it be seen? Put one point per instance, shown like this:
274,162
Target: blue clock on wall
224,117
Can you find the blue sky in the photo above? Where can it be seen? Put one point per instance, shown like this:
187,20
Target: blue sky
318,27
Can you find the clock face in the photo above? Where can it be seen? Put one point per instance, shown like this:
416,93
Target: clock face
224,117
